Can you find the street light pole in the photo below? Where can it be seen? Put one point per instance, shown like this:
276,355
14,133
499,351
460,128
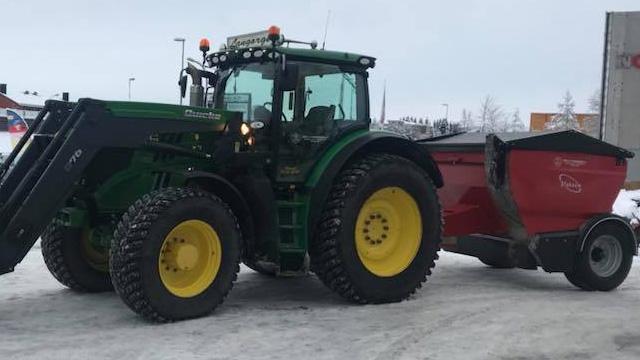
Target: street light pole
181,40
131,79
446,116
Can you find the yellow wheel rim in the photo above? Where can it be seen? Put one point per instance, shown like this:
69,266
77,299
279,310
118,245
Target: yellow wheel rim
98,260
190,258
388,231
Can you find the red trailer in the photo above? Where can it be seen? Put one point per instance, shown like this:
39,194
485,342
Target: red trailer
534,200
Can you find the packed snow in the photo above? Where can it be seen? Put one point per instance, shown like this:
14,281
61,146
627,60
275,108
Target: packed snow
465,311
627,207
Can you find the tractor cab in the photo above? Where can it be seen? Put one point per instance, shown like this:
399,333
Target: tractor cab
295,100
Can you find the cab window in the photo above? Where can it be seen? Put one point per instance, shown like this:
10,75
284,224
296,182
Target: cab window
248,89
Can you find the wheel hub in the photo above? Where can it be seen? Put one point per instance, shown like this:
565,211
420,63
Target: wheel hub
190,258
605,256
388,231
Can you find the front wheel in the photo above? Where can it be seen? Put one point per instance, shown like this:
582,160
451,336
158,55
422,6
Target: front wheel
380,231
73,260
605,260
175,254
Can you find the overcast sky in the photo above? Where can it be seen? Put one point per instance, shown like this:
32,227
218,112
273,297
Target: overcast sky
525,53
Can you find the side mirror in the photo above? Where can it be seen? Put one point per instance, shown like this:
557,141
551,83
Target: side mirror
183,85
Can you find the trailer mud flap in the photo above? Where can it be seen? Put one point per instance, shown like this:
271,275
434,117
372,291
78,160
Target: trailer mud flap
555,252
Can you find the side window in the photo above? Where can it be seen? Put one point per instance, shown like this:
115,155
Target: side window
332,94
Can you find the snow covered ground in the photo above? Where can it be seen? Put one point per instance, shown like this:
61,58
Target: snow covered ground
465,311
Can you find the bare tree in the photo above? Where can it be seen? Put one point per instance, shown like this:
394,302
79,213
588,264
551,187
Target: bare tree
466,120
490,115
566,117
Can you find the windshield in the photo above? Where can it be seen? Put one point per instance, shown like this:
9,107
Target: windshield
247,89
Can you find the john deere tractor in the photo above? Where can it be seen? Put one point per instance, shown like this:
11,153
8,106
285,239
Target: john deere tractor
272,164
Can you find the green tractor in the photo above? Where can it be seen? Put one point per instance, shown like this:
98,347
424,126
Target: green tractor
272,165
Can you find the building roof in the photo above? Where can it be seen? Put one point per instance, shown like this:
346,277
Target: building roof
7,102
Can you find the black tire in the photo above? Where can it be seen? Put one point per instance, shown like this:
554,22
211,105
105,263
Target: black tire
584,275
334,255
260,269
498,262
138,242
64,254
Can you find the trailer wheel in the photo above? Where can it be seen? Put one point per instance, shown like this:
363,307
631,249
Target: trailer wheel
605,260
73,261
380,231
175,254
260,269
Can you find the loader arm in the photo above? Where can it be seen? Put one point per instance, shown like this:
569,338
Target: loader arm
40,174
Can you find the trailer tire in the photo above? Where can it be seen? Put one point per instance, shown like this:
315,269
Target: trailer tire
176,254
64,254
260,269
345,252
605,260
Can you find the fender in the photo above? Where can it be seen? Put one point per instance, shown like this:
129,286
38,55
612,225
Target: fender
356,145
595,221
230,194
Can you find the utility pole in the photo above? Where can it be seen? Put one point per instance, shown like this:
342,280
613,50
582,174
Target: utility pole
181,40
131,79
446,116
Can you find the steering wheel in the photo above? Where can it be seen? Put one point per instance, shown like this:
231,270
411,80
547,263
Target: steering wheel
268,103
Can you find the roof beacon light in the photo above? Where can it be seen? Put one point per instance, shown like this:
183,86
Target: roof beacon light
274,33
204,45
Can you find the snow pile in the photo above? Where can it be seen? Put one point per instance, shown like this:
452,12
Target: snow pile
626,206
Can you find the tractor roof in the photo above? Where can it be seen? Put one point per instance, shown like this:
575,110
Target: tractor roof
245,55
328,56
257,47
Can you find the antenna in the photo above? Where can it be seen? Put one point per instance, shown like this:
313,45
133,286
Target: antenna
326,28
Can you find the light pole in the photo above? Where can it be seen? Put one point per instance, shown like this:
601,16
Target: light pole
181,40
446,116
131,79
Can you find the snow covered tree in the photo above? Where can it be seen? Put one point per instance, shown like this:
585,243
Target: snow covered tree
490,115
515,124
591,124
466,120
566,117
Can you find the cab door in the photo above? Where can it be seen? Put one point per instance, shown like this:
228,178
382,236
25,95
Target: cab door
327,101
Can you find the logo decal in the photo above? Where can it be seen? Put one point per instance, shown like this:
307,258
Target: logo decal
570,184
209,115
73,160
558,162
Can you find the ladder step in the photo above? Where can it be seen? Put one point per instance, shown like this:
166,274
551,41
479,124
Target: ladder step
294,227
289,203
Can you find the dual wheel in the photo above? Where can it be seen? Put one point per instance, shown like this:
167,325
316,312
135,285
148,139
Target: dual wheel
175,253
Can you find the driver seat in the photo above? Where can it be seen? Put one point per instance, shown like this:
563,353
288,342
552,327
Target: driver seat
319,119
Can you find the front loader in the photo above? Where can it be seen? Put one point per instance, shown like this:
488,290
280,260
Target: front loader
275,167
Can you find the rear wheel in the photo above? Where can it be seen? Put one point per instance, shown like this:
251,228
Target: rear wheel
380,231
175,254
605,260
73,260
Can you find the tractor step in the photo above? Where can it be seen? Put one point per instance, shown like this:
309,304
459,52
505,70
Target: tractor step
293,237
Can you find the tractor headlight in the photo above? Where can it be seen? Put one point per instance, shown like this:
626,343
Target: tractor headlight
245,129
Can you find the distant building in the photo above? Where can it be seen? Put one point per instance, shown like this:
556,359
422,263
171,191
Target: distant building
27,111
539,120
